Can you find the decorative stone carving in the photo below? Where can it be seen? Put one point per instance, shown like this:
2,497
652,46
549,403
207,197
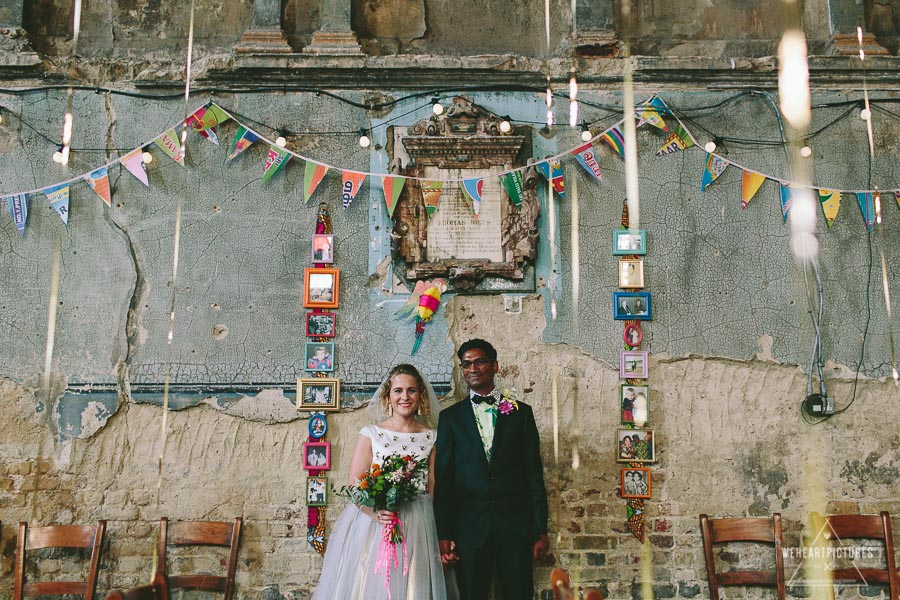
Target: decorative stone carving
265,35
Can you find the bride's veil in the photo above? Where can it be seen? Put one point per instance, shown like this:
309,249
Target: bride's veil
376,411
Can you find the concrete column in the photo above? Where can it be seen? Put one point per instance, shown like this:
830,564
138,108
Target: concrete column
265,34
13,38
595,33
844,19
334,35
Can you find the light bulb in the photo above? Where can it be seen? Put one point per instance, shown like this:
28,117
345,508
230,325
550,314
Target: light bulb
146,157
864,114
438,108
281,142
505,126
57,156
710,146
586,135
364,140
805,151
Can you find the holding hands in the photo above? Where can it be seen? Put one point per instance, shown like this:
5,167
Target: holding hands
448,552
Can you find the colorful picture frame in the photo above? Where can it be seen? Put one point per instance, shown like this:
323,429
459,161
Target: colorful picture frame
317,456
318,426
631,273
319,356
635,446
634,404
323,248
633,334
636,482
321,287
632,306
319,394
629,241
317,490
321,324
633,364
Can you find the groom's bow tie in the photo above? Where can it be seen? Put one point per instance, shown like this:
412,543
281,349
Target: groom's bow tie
479,399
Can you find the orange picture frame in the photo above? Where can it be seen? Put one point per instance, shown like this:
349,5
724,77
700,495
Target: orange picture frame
321,287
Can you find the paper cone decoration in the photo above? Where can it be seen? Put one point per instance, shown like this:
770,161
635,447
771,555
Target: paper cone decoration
392,186
134,162
312,177
243,139
554,174
652,113
99,182
616,139
750,184
349,189
472,189
171,146
514,184
58,195
715,166
831,204
276,159
787,201
431,195
867,206
587,159
18,210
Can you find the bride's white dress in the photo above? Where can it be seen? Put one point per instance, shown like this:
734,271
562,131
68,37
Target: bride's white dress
348,572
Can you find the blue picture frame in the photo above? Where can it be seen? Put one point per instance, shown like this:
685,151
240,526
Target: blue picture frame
627,242
632,306
318,426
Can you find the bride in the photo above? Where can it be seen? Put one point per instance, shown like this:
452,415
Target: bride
348,573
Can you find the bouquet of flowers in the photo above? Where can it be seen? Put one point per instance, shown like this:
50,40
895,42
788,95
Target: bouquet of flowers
387,486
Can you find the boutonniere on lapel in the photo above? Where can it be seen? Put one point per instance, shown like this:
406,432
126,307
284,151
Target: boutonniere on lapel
508,403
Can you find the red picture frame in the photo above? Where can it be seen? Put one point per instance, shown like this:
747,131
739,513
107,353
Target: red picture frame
317,456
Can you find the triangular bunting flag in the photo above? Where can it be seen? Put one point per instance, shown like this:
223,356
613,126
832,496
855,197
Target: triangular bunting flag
431,195
715,166
198,122
352,183
312,176
171,146
554,174
616,139
99,182
587,159
652,113
243,139
134,162
679,140
831,204
750,184
276,159
58,195
514,184
897,197
214,115
787,201
472,189
18,210
867,206
392,186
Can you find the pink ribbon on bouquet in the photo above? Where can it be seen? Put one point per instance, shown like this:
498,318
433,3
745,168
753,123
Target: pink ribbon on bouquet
387,552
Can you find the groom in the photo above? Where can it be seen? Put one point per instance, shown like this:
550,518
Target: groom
490,503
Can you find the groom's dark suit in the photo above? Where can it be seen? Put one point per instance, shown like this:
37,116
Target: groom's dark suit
495,510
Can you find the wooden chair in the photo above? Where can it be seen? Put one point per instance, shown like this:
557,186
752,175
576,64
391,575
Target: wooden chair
58,536
747,529
562,588
200,533
855,527
157,590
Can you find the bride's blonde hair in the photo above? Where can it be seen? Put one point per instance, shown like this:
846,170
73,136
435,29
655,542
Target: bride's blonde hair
424,408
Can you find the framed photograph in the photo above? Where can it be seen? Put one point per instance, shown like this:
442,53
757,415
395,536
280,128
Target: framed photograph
632,305
635,445
318,426
632,365
629,241
633,335
317,456
323,248
320,324
318,394
636,482
317,490
631,273
634,401
321,288
320,356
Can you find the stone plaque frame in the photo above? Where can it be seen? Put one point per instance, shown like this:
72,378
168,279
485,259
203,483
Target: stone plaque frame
468,139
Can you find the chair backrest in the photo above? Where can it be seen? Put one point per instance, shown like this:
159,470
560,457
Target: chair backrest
855,527
58,536
158,589
745,529
200,533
